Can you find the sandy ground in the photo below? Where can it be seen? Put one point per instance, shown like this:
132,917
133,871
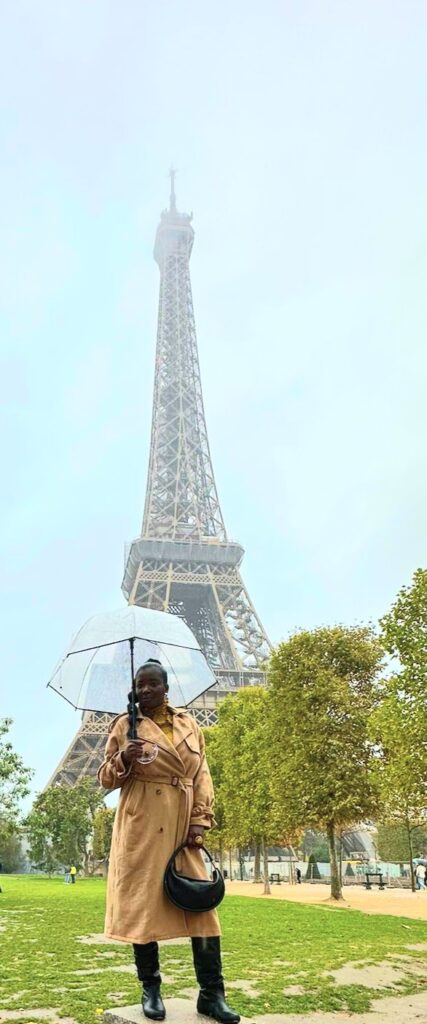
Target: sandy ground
398,902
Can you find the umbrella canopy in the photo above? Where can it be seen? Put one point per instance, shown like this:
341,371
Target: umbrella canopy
95,673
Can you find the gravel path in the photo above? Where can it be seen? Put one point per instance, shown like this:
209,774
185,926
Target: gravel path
398,902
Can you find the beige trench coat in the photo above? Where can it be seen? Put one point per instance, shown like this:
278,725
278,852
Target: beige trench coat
158,802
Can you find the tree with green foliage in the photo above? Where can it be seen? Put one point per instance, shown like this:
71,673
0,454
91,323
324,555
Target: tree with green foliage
404,628
393,845
14,780
60,825
103,821
213,758
400,764
404,636
242,768
323,687
312,869
316,843
11,855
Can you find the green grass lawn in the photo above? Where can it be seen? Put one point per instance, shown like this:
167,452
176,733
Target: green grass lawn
271,944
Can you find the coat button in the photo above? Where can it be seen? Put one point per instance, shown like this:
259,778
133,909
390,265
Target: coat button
158,791
161,829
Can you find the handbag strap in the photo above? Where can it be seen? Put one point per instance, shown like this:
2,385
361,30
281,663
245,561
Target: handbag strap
185,846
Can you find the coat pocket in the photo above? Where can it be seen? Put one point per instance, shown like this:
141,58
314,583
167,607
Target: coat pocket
133,797
192,744
189,751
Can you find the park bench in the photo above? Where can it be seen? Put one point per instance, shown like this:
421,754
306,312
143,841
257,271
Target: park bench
374,874
274,877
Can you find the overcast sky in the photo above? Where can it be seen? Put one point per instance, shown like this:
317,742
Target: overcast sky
299,133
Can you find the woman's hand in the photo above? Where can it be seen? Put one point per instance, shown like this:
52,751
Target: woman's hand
131,752
193,832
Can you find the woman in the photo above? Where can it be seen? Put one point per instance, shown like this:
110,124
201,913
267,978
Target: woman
162,803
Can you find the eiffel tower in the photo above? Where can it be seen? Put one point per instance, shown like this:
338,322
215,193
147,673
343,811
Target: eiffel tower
183,561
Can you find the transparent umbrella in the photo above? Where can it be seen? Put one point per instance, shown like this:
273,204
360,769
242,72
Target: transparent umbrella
98,669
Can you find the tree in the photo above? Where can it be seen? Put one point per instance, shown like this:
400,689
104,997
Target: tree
214,762
103,822
404,636
43,829
400,764
14,779
60,825
393,845
323,687
11,856
404,628
243,771
317,844
312,869
257,851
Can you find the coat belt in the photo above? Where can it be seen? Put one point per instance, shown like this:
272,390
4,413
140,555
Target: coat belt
170,780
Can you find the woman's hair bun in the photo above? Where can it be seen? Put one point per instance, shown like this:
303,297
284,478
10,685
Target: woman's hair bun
154,663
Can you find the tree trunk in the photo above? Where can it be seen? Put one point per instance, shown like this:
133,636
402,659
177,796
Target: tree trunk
257,863
230,865
411,856
267,890
88,863
336,893
340,859
221,856
240,853
291,866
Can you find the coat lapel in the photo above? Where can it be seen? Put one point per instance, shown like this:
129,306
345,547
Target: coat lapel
148,730
181,728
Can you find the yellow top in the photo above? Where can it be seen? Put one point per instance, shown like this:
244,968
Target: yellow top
163,717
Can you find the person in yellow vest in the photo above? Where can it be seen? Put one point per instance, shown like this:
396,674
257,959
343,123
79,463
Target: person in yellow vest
73,872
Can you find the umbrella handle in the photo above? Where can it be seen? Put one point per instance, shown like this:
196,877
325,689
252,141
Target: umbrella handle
133,700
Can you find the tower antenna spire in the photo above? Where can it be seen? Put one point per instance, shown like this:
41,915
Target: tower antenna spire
172,202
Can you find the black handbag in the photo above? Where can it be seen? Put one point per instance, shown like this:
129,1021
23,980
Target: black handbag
193,894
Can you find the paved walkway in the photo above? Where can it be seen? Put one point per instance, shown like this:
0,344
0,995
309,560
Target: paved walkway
398,902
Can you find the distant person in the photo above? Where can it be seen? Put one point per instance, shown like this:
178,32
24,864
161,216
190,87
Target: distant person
298,876
420,873
73,872
67,878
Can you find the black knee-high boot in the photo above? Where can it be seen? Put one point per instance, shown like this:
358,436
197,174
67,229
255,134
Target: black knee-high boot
147,965
208,967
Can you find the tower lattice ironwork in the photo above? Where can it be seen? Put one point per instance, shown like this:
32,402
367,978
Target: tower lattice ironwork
183,561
